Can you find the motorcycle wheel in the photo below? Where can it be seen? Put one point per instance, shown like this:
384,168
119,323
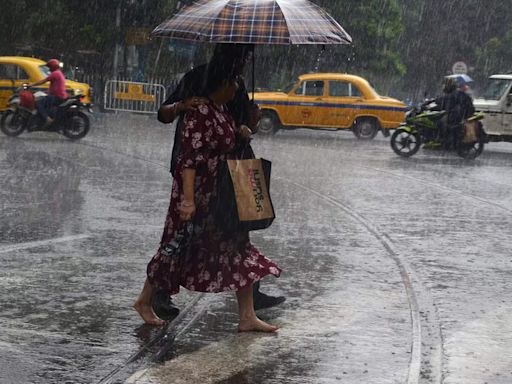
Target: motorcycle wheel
11,123
471,151
76,126
405,143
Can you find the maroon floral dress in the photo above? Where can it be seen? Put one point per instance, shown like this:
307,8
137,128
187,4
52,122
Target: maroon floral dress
211,261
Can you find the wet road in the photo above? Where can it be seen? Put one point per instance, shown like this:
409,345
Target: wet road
396,271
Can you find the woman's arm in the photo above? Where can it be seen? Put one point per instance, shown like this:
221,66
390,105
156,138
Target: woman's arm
167,113
188,207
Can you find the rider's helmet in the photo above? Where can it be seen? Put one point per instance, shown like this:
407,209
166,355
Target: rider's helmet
53,64
449,85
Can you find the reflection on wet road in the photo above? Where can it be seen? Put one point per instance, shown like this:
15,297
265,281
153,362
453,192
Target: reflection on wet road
81,220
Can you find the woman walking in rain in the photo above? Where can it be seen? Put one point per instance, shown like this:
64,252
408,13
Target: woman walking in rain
209,260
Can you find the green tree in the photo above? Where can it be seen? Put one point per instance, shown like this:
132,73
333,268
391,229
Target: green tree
495,55
439,33
376,27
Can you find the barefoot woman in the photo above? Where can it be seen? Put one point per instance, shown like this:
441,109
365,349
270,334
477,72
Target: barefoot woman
213,261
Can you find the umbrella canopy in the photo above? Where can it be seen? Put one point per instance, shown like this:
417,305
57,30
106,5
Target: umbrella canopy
461,79
254,22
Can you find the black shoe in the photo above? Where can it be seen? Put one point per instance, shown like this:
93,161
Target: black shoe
163,306
262,300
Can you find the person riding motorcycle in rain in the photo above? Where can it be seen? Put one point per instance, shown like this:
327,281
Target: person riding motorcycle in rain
56,92
458,106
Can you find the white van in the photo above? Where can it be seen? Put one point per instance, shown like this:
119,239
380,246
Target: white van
496,102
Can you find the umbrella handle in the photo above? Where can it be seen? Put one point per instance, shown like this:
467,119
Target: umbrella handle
253,75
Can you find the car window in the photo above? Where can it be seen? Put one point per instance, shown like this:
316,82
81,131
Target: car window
7,71
339,89
314,88
289,87
343,89
12,72
300,89
495,89
44,70
21,74
310,88
354,91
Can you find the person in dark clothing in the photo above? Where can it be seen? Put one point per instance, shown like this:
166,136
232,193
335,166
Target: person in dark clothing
458,106
187,96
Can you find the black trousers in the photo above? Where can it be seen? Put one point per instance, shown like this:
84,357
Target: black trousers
256,288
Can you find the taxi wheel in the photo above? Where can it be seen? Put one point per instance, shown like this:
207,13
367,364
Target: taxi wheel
366,128
269,123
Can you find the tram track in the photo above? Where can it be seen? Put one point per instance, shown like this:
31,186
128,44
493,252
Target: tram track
423,363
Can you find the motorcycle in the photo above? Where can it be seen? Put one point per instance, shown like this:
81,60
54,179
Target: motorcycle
421,126
69,117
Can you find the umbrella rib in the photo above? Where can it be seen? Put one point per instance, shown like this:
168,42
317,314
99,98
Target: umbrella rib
233,20
213,21
252,29
272,19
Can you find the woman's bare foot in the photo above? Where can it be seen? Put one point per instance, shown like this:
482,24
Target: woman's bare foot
147,314
255,325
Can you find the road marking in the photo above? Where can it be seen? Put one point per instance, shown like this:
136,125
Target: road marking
41,243
133,379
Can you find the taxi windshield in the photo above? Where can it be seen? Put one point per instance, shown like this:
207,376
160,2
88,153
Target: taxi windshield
290,86
495,89
44,70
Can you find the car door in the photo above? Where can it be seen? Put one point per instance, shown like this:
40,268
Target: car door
340,101
305,103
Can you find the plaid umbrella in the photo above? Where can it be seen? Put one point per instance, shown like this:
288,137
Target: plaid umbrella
254,22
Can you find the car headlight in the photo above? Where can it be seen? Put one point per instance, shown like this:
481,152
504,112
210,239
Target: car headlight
78,91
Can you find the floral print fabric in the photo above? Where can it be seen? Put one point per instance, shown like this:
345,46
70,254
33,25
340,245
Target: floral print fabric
207,260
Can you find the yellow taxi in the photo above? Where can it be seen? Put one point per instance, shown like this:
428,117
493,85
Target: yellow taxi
330,101
16,71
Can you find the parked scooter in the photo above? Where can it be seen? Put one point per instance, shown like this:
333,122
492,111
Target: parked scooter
69,117
421,126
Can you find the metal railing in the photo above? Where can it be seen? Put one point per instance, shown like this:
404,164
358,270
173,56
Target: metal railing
129,96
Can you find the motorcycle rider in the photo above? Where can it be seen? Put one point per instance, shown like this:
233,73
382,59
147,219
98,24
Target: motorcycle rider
458,106
56,92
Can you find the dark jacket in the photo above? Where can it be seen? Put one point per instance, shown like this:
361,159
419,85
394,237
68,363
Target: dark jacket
193,84
458,106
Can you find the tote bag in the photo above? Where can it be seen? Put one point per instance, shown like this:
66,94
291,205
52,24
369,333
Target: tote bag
243,199
470,132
